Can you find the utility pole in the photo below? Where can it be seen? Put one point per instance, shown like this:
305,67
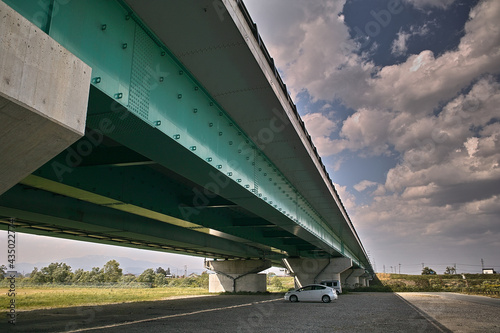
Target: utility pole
384,268
399,268
482,263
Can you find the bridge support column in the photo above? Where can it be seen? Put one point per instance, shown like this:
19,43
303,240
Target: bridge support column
237,275
308,270
364,280
43,99
351,278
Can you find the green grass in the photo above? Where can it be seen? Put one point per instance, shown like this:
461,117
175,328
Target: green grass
423,283
29,298
280,284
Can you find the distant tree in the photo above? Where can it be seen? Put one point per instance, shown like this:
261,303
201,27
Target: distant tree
160,270
36,276
57,272
96,275
81,276
276,282
3,272
147,276
203,279
112,271
160,280
428,271
62,273
450,270
127,278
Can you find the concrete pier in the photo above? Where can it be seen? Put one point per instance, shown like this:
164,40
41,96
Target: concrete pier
351,278
237,275
309,270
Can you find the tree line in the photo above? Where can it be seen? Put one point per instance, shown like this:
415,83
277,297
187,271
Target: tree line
61,273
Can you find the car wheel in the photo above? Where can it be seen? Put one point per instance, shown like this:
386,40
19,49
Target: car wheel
294,298
337,292
325,299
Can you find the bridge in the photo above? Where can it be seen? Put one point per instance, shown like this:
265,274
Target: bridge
164,126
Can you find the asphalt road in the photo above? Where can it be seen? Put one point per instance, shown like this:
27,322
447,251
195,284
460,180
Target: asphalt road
457,312
355,312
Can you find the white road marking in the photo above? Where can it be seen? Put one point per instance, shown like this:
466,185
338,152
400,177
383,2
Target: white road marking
171,316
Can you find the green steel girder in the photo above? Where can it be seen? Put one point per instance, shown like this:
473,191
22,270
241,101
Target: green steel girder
60,213
150,191
251,222
117,156
131,132
160,92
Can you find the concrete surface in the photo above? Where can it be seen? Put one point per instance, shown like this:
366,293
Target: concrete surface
309,270
219,283
351,278
457,312
237,275
43,97
353,312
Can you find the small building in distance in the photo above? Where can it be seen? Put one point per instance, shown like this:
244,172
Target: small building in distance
489,271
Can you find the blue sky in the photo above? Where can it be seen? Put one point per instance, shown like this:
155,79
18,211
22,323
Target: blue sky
401,99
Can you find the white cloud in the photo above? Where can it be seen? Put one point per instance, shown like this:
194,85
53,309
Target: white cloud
399,46
417,85
363,185
471,145
319,124
346,197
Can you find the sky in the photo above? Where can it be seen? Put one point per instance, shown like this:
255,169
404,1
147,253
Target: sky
402,101
401,98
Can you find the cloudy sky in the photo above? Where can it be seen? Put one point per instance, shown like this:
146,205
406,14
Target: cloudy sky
402,101
401,98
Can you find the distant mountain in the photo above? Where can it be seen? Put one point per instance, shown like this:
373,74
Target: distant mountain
88,262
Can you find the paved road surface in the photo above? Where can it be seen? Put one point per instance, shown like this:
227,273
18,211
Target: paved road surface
457,312
355,312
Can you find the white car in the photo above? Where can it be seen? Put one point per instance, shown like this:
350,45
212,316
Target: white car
312,292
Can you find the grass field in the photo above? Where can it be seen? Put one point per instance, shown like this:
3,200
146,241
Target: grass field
29,298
